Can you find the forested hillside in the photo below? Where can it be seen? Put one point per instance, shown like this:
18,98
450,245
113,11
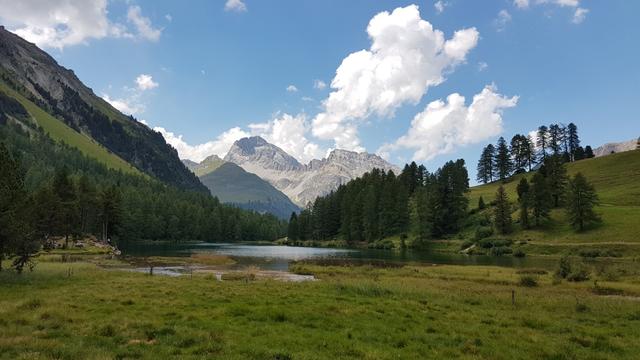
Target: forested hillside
567,202
55,94
51,189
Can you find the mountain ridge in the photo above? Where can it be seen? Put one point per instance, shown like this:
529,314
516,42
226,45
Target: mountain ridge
35,75
231,184
302,183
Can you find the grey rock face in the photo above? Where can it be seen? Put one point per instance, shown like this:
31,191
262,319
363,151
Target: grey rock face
302,183
609,148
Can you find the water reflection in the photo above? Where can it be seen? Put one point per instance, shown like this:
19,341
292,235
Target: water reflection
270,257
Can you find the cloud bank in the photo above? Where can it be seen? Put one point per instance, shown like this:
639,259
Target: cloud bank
62,23
445,125
407,56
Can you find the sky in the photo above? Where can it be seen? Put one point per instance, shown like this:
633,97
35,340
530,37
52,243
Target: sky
429,81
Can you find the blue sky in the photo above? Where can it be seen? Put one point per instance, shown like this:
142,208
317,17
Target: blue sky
215,67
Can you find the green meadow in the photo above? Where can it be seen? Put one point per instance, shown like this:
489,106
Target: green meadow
88,310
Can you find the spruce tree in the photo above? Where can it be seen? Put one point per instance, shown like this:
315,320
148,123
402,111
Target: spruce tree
555,139
581,199
542,141
556,173
481,204
12,197
502,212
503,163
64,189
486,164
292,232
524,199
541,199
588,152
573,140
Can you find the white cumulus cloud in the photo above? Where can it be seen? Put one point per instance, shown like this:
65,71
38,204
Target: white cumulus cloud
235,5
220,146
444,126
407,56
439,6
126,106
502,20
61,23
292,88
290,134
319,84
145,82
579,13
143,25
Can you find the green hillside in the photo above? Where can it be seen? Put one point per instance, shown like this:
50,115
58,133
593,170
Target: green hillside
232,184
205,167
59,131
616,179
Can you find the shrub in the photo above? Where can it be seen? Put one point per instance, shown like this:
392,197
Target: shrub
579,274
528,281
483,232
564,267
519,253
501,250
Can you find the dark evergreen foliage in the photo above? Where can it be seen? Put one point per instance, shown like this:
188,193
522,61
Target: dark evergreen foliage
503,163
502,212
75,195
581,199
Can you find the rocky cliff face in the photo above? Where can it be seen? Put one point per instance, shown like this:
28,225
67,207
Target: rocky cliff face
609,148
37,76
302,183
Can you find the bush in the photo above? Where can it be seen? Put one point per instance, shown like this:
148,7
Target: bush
528,281
579,274
519,253
501,250
483,232
564,267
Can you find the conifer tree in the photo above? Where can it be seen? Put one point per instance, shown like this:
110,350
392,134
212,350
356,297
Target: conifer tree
486,164
555,172
12,197
541,200
524,199
503,163
502,212
481,204
555,139
573,141
588,152
530,153
292,233
542,141
581,199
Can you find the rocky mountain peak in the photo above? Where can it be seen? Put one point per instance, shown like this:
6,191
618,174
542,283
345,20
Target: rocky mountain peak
256,150
302,183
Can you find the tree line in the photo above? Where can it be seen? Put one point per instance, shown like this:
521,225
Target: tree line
426,205
381,204
51,190
524,153
549,188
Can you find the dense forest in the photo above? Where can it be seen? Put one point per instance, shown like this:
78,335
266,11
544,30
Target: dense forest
381,204
421,205
49,189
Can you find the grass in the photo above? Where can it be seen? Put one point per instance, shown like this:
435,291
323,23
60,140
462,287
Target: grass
59,131
616,178
350,313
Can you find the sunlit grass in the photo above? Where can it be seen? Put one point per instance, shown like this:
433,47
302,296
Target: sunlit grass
351,312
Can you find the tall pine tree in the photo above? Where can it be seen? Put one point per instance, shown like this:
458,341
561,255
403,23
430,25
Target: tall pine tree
503,161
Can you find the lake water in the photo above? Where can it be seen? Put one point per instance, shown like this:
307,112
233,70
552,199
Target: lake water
273,257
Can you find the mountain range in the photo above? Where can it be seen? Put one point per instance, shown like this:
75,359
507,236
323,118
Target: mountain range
233,185
302,183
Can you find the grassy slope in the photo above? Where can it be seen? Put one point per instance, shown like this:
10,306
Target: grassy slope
57,130
351,313
616,179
